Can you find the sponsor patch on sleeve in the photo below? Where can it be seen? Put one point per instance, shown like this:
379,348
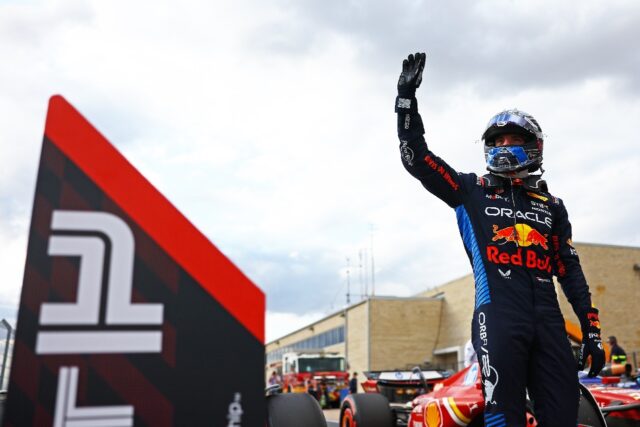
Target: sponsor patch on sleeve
538,196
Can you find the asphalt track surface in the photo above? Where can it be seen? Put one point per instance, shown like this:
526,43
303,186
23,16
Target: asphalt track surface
332,416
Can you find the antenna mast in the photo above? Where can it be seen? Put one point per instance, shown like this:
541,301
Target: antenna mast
373,269
348,281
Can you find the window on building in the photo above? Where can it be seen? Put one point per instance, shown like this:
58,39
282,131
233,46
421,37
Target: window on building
325,339
321,364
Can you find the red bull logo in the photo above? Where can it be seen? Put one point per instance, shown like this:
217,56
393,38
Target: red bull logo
524,234
594,320
522,257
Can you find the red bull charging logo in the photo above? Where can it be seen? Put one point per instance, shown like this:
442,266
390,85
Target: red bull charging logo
524,234
594,320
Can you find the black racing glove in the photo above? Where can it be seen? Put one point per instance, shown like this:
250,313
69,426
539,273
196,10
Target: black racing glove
411,75
591,342
409,81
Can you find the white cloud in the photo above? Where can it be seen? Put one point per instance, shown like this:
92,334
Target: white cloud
14,248
282,323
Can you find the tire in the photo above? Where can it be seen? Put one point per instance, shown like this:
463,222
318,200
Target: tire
366,410
589,411
294,410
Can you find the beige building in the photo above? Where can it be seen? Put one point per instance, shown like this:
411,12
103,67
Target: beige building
432,327
375,334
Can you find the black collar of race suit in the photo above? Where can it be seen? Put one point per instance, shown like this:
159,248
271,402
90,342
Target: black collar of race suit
497,183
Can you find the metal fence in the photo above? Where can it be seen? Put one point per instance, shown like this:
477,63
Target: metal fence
6,345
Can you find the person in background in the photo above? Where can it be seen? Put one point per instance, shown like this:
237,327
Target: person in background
274,378
312,388
618,355
353,383
323,394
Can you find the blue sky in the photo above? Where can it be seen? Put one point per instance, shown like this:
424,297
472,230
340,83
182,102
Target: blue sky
270,125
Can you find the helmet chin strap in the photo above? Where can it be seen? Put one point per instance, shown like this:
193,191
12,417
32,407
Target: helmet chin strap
496,182
510,175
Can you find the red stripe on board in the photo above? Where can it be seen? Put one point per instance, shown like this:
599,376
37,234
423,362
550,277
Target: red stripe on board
120,180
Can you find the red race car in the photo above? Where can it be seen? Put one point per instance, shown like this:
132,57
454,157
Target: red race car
610,397
458,401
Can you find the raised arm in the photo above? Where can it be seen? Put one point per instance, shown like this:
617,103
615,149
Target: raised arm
433,172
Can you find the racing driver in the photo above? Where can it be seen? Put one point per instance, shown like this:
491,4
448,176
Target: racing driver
517,237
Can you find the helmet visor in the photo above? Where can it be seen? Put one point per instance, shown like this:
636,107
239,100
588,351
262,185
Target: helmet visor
507,159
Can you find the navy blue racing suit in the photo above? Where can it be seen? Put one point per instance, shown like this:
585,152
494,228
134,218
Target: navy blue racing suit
517,237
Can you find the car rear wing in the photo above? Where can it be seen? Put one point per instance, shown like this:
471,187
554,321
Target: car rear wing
405,376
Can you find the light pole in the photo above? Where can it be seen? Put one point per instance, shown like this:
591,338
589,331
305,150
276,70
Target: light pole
348,281
6,350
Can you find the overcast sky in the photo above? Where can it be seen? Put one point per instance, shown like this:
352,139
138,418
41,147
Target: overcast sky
270,124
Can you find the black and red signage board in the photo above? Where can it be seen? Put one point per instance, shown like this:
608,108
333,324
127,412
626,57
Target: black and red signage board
128,316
